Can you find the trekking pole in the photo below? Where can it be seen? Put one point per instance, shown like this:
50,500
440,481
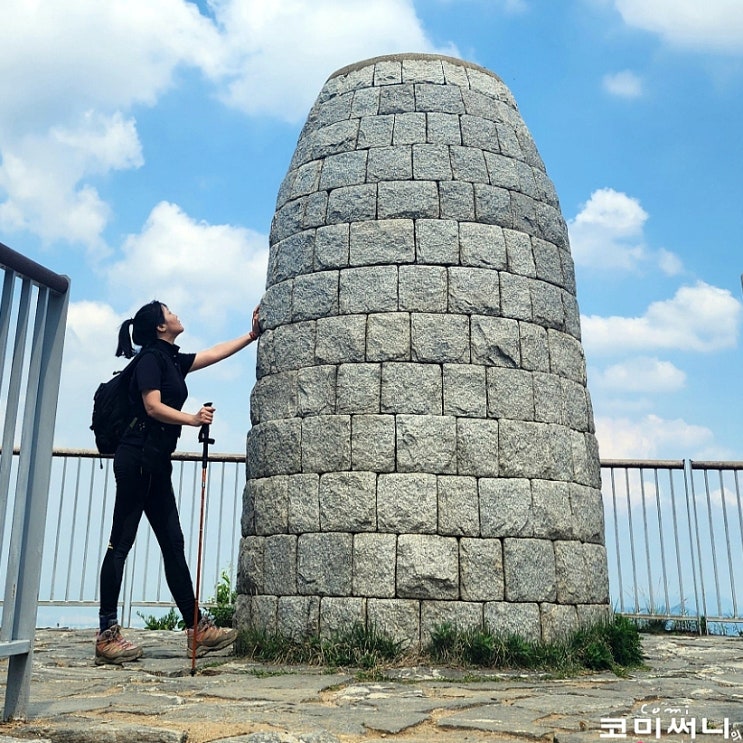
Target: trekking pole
205,441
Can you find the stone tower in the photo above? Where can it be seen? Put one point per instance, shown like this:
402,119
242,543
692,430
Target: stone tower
422,448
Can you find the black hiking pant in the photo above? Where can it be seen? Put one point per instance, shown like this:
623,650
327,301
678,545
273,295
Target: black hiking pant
150,492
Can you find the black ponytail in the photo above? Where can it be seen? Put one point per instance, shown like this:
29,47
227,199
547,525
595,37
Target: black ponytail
143,328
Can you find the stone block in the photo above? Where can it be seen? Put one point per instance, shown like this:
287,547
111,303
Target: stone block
582,576
315,295
519,253
525,449
359,388
294,346
396,99
427,443
368,289
397,618
546,305
505,507
303,503
390,164
250,572
382,241
427,567
365,103
332,139
331,247
457,200
529,568
423,289
290,257
422,71
509,142
339,615
507,619
407,503
510,394
458,503
481,569
551,513
373,443
482,245
298,617
548,398
502,171
495,341
409,128
265,506
316,390
587,508
273,448
276,305
348,501
375,131
374,565
274,396
533,347
547,261
437,241
493,205
340,339
442,98
325,564
344,169
431,162
411,388
280,565
477,447
407,199
443,128
515,297
326,443
558,621
263,612
468,163
465,390
577,413
461,615
480,134
352,204
474,291
388,337
437,338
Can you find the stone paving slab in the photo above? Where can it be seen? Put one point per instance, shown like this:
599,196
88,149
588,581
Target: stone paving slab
229,700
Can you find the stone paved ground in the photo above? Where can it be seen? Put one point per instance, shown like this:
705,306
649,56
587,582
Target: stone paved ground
155,700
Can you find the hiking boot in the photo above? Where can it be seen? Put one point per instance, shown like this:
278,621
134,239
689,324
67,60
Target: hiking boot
209,637
111,647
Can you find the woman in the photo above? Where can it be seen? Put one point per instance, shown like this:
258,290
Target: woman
142,469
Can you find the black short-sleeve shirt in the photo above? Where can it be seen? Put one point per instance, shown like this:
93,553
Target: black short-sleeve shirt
162,367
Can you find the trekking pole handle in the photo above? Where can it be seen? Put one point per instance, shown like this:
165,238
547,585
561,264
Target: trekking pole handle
204,438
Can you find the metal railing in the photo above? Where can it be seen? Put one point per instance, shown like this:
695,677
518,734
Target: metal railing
80,510
33,380
674,539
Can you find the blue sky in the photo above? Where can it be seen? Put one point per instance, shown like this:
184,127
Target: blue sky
142,144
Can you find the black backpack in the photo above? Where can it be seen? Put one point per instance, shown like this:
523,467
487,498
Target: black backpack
112,409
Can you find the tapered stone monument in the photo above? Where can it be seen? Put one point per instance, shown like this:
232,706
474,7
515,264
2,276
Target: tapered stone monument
422,446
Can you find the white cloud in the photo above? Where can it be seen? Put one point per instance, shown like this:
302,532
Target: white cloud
280,53
649,438
640,374
698,318
201,271
624,84
713,25
41,177
607,234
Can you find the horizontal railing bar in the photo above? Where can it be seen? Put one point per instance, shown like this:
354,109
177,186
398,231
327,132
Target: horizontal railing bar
180,456
702,465
14,647
646,464
24,266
